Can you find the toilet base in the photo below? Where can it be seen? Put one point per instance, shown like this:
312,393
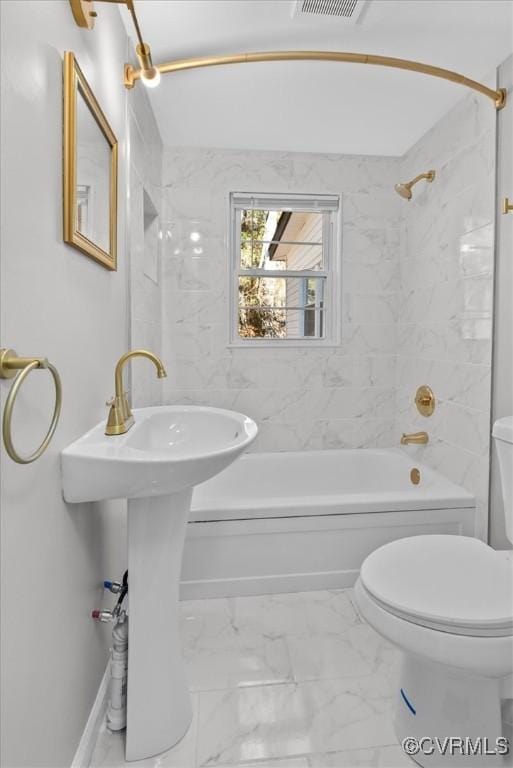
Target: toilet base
437,703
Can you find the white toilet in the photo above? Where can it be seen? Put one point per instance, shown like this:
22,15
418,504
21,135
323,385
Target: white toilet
447,603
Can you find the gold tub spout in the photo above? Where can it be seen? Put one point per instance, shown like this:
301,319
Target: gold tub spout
415,438
120,417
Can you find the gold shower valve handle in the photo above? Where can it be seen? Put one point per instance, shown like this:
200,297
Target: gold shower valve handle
425,400
507,205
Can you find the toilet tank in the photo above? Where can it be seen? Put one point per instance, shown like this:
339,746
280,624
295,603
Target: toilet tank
502,433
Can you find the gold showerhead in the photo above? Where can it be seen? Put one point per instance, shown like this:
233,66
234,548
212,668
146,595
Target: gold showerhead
405,189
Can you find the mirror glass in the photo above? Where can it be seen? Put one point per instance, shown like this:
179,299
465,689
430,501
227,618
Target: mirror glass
90,171
92,177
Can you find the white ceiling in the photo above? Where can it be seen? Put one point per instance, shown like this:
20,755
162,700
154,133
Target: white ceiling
317,106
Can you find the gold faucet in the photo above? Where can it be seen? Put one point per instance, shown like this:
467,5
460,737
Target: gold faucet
415,438
120,417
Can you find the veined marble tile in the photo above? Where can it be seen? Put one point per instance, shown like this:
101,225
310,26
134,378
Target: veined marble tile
465,427
284,369
216,398
431,268
198,306
296,613
282,405
369,307
326,433
268,722
358,403
459,465
195,341
379,757
222,650
280,436
371,245
293,762
350,433
348,652
345,371
189,209
475,206
360,277
425,340
193,271
110,749
368,338
347,173
470,340
371,209
466,168
228,168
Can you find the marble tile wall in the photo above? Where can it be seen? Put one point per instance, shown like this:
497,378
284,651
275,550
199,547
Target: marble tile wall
341,396
444,324
416,298
145,293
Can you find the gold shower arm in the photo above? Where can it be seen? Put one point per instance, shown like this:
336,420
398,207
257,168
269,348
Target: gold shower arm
429,175
497,96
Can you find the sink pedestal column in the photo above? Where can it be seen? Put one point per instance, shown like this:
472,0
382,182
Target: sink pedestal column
159,708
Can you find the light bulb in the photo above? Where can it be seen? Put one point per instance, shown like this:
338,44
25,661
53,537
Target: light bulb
150,77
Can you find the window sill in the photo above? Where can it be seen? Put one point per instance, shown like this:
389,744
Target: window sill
270,344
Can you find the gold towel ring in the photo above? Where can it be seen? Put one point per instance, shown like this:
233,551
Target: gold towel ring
27,365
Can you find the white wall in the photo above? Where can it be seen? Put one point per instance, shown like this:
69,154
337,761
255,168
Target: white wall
301,397
59,303
446,272
503,333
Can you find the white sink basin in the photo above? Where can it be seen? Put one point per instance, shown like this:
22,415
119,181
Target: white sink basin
155,465
169,448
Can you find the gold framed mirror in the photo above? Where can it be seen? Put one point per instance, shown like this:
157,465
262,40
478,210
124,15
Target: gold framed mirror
90,170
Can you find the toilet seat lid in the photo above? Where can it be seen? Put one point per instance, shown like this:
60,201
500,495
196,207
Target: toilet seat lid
455,583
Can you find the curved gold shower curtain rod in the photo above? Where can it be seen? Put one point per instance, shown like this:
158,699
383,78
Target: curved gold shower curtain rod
85,16
178,65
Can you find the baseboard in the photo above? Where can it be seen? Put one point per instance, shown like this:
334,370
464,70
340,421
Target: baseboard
84,753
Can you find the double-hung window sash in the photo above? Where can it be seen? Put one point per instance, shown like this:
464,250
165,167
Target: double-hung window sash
284,284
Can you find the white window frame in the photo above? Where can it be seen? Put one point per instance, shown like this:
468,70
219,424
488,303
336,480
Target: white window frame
332,256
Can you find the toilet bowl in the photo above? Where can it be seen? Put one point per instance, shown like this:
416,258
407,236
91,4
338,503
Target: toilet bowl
447,603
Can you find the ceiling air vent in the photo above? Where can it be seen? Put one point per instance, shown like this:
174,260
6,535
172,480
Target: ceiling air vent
345,10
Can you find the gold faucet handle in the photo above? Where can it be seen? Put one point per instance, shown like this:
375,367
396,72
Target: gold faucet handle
112,401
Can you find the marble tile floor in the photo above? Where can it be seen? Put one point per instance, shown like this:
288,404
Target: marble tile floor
280,681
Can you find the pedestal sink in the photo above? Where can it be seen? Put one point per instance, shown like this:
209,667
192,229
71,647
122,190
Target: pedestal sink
155,465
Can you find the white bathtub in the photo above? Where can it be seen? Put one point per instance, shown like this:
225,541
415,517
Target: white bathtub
275,522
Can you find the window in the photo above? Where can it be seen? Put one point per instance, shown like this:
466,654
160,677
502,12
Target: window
285,277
